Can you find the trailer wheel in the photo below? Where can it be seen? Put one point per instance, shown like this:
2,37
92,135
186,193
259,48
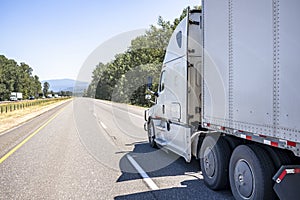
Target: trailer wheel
151,134
279,157
250,173
232,141
214,161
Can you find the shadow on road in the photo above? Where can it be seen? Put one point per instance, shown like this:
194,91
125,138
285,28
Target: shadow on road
156,163
190,190
160,164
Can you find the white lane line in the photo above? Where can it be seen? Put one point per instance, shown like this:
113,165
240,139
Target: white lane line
103,125
115,107
135,115
143,174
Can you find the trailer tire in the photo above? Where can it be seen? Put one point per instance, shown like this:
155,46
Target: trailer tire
232,141
151,134
214,161
250,173
278,156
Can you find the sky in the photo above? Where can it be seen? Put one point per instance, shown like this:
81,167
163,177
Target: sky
57,38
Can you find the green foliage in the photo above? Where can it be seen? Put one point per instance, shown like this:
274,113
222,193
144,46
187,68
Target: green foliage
46,87
124,78
16,77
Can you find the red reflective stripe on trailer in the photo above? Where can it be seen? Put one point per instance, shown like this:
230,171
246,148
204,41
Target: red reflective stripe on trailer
274,144
297,171
282,175
222,128
262,136
248,137
290,143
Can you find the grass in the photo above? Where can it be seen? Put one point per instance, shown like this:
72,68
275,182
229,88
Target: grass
30,109
22,105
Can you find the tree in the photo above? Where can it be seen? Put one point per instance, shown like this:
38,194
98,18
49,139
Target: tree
124,78
69,93
46,87
17,78
37,86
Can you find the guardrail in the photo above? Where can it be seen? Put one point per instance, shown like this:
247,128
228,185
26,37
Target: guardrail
19,105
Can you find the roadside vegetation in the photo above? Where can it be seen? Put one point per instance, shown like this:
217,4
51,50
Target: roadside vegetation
19,78
22,111
10,107
16,77
124,78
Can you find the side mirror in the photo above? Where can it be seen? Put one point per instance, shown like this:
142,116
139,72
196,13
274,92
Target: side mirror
149,88
148,96
149,83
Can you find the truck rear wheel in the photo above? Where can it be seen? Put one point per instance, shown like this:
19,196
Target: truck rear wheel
250,173
151,134
232,141
279,157
214,161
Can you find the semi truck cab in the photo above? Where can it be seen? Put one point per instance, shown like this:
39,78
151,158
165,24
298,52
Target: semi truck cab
178,100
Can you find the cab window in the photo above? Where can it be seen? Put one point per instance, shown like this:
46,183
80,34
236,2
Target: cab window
162,81
179,39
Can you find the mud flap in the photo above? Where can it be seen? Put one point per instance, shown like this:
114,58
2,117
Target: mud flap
287,181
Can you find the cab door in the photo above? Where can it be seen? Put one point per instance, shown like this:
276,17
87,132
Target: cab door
173,93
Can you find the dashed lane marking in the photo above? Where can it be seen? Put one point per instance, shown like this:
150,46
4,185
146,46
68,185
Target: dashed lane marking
103,125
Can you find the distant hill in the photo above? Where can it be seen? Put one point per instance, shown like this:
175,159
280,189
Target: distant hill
58,85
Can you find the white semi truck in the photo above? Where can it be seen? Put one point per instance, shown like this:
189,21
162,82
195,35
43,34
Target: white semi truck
228,95
15,96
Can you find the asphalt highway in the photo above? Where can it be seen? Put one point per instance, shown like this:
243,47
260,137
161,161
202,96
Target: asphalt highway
92,149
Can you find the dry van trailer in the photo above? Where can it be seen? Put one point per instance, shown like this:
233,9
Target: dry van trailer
228,95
